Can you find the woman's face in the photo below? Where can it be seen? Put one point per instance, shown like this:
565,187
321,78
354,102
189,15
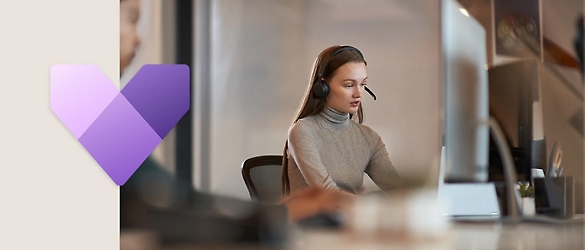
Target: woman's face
129,39
346,87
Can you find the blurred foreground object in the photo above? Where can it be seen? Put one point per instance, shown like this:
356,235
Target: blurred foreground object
410,214
315,201
154,201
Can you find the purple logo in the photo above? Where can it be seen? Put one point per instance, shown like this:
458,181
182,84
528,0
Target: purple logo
120,128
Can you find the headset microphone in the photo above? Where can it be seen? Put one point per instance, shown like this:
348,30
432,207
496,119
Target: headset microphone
370,92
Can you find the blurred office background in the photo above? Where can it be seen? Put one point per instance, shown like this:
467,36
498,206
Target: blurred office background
251,59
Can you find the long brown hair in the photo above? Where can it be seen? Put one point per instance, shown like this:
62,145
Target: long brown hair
325,67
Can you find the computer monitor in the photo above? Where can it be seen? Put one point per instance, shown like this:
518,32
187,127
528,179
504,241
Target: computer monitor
466,112
514,100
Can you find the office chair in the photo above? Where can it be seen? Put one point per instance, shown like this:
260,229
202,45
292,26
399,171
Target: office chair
262,175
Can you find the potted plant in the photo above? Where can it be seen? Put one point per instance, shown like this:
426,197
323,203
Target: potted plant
527,193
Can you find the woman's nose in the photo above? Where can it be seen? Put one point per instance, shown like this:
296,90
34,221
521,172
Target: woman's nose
357,91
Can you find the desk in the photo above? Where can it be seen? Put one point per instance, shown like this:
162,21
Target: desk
461,235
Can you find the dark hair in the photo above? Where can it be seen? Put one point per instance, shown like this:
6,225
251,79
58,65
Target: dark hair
312,105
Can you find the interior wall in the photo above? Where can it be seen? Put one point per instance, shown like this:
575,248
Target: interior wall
261,59
559,21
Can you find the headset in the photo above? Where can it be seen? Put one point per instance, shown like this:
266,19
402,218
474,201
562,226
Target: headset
321,88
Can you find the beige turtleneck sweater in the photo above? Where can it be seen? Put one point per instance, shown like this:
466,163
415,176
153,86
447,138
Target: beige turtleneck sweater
333,151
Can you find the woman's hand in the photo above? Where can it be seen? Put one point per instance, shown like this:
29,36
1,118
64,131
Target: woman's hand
315,200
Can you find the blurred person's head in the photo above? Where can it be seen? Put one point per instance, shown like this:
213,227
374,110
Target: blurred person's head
343,70
129,39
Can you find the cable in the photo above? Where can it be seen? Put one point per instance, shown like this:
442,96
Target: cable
510,177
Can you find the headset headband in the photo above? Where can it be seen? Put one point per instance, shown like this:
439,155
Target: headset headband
337,51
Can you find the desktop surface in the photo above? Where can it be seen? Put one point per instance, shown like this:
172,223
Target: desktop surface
461,235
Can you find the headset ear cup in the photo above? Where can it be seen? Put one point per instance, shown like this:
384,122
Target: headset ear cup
325,88
321,89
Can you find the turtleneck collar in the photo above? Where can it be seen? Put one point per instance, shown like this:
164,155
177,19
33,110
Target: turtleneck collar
339,120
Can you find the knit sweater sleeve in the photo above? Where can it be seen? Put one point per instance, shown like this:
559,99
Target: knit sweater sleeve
303,148
380,168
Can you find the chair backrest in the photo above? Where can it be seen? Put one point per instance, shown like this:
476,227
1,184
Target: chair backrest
262,175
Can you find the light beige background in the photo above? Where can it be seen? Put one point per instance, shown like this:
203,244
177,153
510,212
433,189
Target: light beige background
53,195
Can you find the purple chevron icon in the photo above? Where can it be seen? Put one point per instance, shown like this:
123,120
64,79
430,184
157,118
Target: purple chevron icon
119,128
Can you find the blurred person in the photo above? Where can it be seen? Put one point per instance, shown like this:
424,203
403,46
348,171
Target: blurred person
154,200
129,38
326,146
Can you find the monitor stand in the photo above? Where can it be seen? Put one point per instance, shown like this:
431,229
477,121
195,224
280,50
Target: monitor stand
467,200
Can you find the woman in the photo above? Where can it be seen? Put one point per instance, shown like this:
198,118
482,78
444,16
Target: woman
326,146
